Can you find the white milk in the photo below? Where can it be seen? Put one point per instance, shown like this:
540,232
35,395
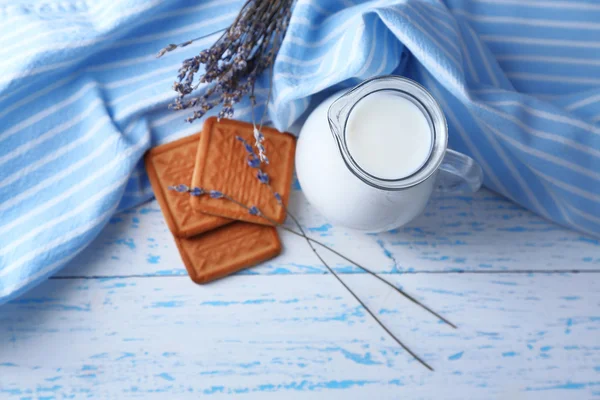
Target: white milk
388,135
337,193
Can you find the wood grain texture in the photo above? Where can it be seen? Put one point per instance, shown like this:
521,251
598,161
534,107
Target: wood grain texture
124,321
479,233
303,337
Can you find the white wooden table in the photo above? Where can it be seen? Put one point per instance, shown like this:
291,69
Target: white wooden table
124,320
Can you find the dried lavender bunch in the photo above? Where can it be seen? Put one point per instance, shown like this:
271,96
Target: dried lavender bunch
233,63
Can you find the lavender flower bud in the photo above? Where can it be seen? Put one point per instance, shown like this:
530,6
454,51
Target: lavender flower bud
253,161
170,47
262,177
278,198
179,188
247,146
253,210
215,194
197,191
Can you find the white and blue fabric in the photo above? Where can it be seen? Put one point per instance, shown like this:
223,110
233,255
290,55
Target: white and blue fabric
82,97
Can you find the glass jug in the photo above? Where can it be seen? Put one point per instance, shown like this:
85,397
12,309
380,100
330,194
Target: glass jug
345,193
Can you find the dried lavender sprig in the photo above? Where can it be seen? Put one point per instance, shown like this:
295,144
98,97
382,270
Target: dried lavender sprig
371,313
341,281
264,179
172,46
253,210
258,136
198,192
367,270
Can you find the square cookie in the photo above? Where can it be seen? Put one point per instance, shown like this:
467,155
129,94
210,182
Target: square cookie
172,164
228,249
222,164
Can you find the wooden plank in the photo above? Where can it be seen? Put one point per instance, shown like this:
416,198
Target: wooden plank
303,337
482,232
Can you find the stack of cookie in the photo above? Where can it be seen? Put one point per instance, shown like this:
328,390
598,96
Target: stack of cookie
215,236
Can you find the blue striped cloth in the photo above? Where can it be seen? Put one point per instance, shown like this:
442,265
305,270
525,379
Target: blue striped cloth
82,97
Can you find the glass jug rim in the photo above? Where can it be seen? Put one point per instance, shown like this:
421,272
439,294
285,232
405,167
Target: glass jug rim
339,112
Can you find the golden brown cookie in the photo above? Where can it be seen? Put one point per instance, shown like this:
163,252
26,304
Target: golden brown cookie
222,165
172,164
228,249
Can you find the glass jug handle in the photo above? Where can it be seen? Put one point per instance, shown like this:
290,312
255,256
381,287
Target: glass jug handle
458,174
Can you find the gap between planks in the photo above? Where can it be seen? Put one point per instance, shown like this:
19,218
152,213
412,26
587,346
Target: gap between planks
496,272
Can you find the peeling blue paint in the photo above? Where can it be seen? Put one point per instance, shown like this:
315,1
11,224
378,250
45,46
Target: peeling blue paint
54,388
305,385
366,359
152,259
258,301
345,384
249,365
218,303
167,304
215,372
125,355
322,228
214,389
165,376
8,364
11,391
456,356
568,385
509,354
126,242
